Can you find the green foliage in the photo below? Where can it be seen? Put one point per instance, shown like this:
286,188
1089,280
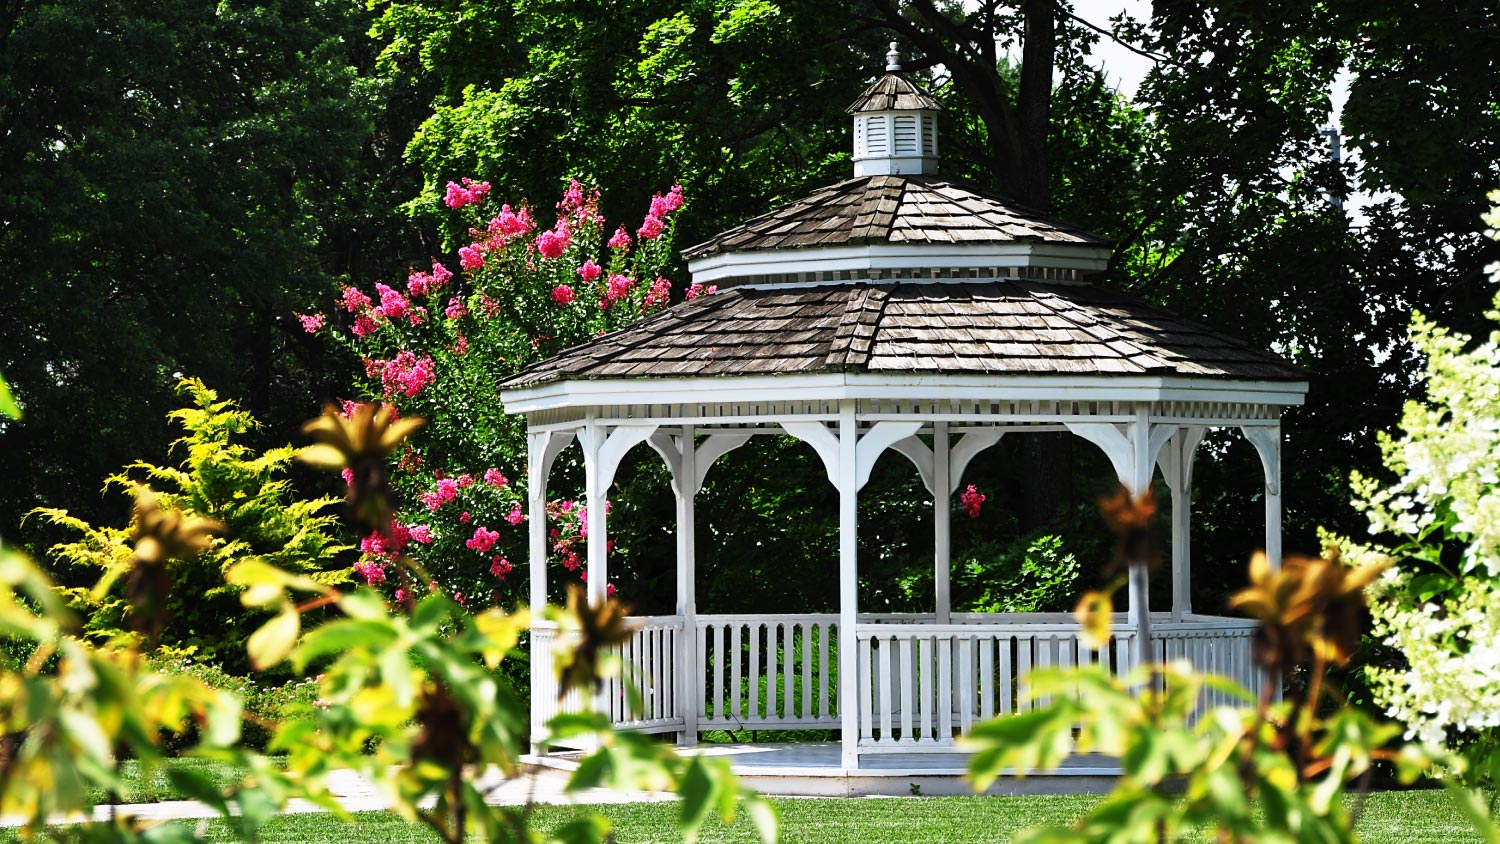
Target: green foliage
1229,774
265,701
221,478
65,720
1440,611
175,176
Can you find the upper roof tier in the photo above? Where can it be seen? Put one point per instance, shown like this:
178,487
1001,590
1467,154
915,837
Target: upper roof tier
919,224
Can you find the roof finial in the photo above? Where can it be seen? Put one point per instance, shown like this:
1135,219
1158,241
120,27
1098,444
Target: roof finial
893,59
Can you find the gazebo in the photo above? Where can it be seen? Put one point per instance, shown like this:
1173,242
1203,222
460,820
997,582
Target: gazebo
902,311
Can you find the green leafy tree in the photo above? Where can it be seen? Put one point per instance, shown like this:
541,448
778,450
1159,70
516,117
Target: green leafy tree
174,178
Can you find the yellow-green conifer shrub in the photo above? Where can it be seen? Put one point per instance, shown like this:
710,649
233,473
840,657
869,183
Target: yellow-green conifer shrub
220,478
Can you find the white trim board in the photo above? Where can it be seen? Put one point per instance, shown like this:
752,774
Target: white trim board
859,385
883,256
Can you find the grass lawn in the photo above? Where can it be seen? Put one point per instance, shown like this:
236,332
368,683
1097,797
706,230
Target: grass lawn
1411,817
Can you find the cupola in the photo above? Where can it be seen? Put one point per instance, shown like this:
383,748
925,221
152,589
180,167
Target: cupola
895,126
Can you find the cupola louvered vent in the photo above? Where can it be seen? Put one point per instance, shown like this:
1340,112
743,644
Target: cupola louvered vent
895,127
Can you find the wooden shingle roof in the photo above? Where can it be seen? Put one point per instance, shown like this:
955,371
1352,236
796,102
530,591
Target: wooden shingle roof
893,92
895,210
975,328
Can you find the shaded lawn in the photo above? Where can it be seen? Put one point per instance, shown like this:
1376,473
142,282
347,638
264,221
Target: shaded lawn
1408,817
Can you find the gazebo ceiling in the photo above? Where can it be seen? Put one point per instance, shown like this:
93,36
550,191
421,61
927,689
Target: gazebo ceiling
948,328
897,210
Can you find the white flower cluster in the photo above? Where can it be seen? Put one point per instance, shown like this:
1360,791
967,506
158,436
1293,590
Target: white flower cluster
1453,657
1448,491
1449,460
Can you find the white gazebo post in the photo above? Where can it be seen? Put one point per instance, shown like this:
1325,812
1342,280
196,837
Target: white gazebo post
690,679
594,498
1141,465
942,513
1267,442
1177,466
848,487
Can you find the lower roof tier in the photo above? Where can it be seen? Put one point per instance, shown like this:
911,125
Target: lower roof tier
1011,327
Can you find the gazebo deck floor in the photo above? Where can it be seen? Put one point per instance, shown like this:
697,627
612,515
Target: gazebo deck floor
815,769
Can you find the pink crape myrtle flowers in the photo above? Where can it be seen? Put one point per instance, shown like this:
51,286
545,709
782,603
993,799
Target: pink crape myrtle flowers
518,289
971,499
469,192
483,539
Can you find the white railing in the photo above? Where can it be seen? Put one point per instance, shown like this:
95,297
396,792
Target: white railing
768,671
922,684
1223,646
930,683
650,663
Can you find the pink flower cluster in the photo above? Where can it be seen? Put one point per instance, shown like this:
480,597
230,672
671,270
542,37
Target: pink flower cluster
379,546
617,288
500,567
310,322
620,240
695,290
422,284
483,539
405,373
394,306
354,300
515,516
494,478
657,296
511,224
469,192
563,295
553,242
445,491
590,270
655,222
455,308
470,258
971,499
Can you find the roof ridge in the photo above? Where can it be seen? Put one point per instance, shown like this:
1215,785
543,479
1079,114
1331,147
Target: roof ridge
854,338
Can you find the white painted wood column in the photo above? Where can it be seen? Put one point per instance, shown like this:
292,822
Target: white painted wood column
594,497
689,679
542,449
1267,442
1177,467
848,487
1142,464
536,517
942,513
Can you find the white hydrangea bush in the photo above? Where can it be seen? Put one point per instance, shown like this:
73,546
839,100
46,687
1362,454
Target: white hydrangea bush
1445,620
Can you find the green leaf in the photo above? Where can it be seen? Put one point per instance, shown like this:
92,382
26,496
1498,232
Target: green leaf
275,639
8,406
764,816
194,784
697,793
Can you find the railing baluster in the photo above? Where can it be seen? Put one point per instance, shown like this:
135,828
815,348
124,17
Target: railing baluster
753,672
737,700
805,710
884,680
945,689
867,695
1024,646
788,670
923,682
987,676
906,679
965,684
